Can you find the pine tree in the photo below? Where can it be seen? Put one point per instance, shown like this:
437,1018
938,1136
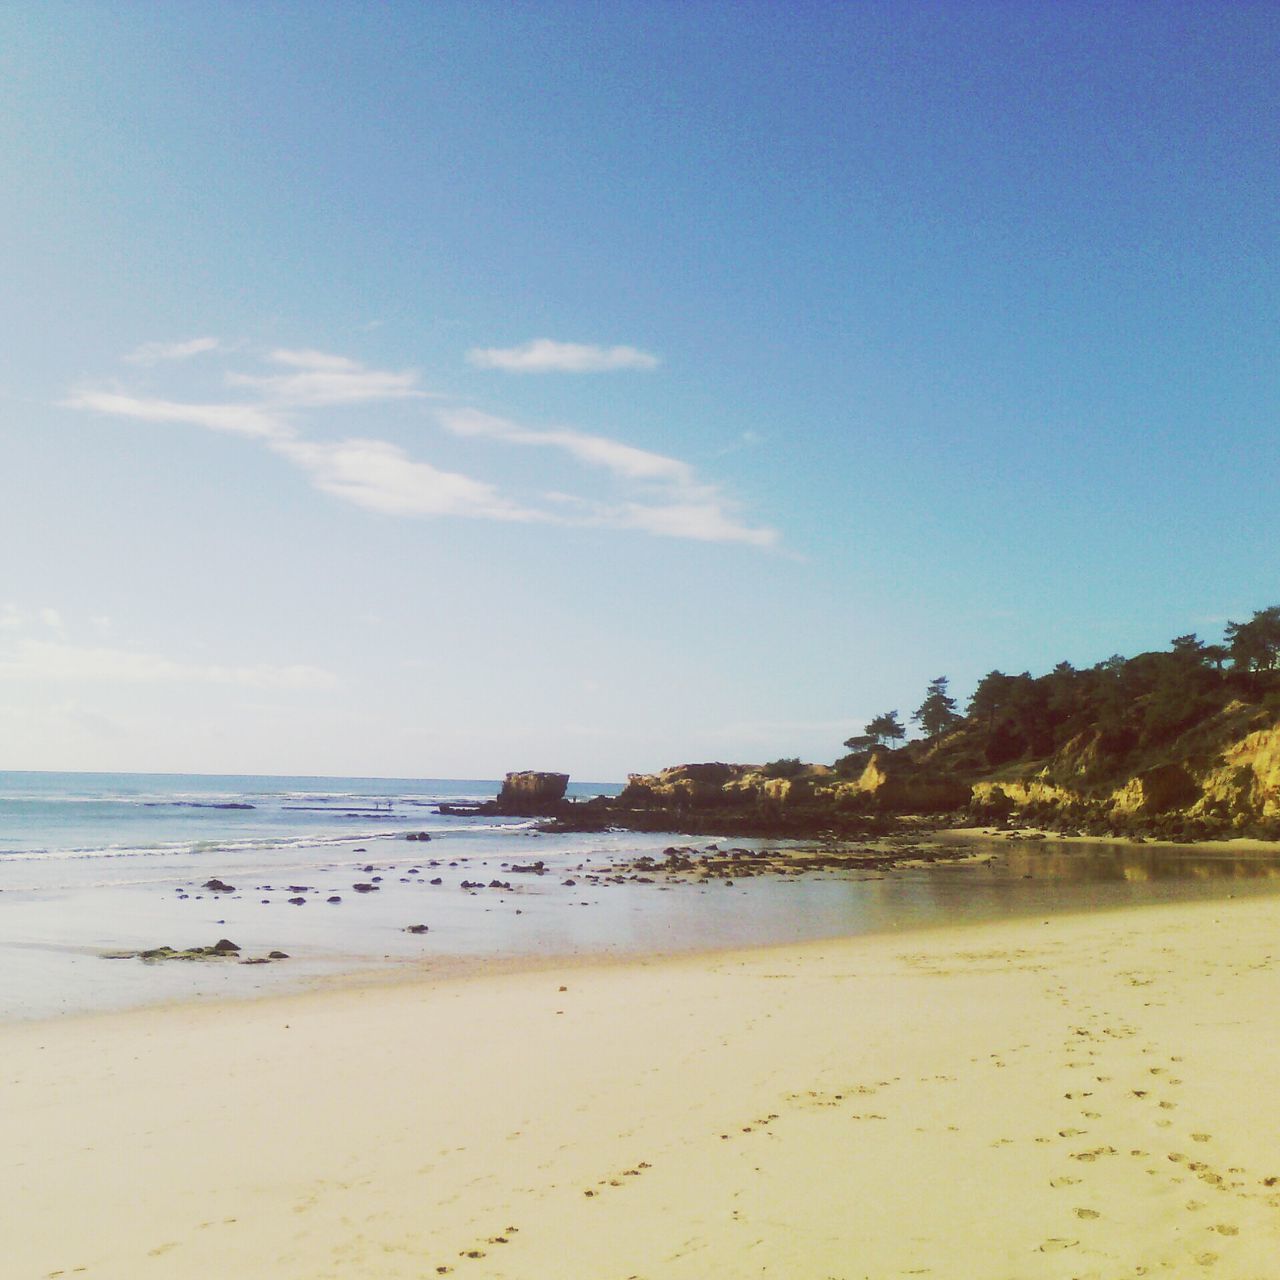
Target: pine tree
937,712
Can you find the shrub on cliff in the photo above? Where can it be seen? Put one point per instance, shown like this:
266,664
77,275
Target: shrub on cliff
785,767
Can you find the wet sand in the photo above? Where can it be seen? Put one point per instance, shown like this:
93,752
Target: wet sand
1089,1095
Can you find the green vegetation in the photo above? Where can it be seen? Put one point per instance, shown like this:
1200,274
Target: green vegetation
786,767
937,713
884,729
1097,723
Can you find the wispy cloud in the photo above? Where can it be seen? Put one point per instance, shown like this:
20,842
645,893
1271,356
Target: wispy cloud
678,504
240,419
155,352
657,494
318,379
600,451
381,477
544,355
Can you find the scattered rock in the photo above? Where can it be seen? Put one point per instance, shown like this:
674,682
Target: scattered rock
415,928
218,887
365,888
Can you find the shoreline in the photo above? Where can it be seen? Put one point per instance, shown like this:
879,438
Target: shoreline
689,901
835,1108
1235,844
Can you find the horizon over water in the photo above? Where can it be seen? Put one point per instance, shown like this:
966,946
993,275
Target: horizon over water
50,812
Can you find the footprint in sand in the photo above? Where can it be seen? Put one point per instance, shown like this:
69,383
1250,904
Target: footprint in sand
1057,1244
1206,1259
1087,1213
1063,1182
1225,1229
1201,1137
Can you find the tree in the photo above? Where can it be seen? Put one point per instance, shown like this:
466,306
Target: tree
786,767
1255,645
990,697
886,728
861,742
937,712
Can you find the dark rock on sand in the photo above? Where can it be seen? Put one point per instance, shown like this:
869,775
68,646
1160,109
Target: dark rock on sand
365,888
217,886
415,928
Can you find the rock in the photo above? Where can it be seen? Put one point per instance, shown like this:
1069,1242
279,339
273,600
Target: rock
365,888
335,898
532,793
298,902
223,946
1167,786
277,955
217,886
437,880
418,835
415,928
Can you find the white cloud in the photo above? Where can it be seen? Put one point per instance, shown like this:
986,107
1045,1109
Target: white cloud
544,355
700,521
600,451
323,379
154,352
660,495
65,663
381,477
682,506
240,419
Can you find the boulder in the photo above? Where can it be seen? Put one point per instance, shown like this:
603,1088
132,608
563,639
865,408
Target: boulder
532,793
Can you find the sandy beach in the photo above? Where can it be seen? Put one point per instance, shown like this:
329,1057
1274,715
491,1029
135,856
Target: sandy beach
1082,1096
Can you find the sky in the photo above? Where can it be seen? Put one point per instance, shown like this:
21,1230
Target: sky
439,390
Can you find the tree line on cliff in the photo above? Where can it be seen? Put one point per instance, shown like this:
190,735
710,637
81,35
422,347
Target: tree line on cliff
1127,709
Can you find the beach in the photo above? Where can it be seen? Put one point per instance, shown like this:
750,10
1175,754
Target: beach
1068,1096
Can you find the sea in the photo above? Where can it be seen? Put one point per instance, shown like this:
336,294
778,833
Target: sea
93,865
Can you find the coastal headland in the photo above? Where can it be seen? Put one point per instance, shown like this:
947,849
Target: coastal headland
1088,1095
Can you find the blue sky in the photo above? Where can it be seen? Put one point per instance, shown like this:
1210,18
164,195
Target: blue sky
440,390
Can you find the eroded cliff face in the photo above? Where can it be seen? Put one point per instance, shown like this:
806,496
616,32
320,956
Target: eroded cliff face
888,784
1235,784
1247,779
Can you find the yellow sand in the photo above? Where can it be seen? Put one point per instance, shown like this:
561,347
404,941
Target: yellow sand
1088,1096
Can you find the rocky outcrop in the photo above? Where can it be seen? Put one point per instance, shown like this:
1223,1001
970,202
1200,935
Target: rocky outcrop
532,793
686,786
895,785
1157,790
1230,784
1246,779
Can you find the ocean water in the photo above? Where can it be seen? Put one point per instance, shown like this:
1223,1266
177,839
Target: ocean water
96,863
83,815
